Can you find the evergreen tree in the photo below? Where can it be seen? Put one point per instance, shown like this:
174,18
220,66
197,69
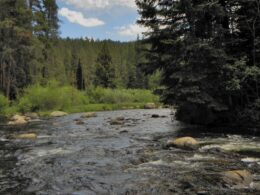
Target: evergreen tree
79,77
207,52
105,72
15,46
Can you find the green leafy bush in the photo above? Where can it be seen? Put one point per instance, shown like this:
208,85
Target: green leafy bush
50,97
4,103
118,96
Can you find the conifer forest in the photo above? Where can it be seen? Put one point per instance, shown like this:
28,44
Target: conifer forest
129,97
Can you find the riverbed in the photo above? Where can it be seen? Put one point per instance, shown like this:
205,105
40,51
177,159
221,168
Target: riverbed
98,157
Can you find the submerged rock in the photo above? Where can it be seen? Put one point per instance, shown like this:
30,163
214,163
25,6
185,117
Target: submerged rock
150,106
155,115
89,115
58,114
183,142
26,136
118,121
32,115
239,178
79,122
18,120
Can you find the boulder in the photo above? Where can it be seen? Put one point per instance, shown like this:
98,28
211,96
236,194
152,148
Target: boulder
183,142
32,115
150,106
89,115
26,136
18,120
241,178
58,114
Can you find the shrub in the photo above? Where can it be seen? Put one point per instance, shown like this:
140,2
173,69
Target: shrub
117,96
50,97
4,103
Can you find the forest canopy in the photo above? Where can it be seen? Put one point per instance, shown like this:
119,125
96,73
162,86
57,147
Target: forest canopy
209,55
31,51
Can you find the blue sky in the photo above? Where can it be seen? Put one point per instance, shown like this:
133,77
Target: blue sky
99,19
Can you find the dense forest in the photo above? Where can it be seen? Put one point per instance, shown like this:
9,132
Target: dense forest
209,55
32,52
120,63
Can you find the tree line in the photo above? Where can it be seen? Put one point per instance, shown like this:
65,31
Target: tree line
31,51
209,55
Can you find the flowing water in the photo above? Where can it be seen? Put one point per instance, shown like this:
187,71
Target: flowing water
96,157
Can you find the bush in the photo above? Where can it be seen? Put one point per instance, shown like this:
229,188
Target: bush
50,97
118,96
4,103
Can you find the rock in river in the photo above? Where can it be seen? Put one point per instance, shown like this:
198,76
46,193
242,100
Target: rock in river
26,136
118,121
183,142
89,115
58,114
18,120
240,178
150,106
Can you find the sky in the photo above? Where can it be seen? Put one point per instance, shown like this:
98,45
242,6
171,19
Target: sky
99,19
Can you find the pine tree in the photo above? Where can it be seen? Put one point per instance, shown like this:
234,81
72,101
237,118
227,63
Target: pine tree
15,46
105,72
207,52
79,77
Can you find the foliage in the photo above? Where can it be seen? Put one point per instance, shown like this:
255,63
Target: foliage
118,96
4,103
53,96
208,53
105,72
50,97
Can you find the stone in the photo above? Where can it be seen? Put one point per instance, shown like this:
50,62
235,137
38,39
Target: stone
155,116
242,178
120,118
89,115
26,136
150,106
184,143
32,115
18,120
79,122
58,114
116,122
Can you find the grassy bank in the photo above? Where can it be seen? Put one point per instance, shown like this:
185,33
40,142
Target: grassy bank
53,96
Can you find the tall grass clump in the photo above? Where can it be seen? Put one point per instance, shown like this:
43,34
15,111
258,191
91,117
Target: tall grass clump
53,96
118,96
4,104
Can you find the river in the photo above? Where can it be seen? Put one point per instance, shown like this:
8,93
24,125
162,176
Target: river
95,157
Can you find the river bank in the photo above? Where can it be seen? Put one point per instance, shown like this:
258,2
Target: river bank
98,156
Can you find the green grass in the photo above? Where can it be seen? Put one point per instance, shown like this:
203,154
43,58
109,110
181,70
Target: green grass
98,107
53,96
119,96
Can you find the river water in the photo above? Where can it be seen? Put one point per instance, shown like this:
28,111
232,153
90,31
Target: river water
99,158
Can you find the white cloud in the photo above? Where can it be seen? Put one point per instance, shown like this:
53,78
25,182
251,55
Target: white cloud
100,4
132,30
79,18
